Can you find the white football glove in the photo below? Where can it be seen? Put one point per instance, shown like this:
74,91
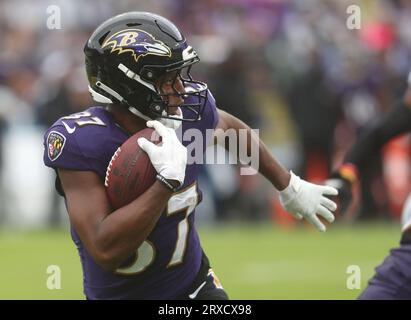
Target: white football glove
305,199
170,158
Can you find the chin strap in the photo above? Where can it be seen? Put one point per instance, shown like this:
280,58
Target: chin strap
167,122
138,114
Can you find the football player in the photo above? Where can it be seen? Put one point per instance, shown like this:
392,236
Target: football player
138,66
392,279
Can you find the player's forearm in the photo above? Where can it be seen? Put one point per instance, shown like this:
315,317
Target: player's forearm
271,169
122,232
268,166
375,136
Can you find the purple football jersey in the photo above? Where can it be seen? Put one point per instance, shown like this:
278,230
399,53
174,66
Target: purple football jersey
168,261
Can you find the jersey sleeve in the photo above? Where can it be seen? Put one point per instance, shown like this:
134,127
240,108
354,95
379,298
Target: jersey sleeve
61,150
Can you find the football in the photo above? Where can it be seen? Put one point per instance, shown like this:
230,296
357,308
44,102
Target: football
130,172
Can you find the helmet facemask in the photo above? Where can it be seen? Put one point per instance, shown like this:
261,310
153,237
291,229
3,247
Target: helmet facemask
182,86
193,95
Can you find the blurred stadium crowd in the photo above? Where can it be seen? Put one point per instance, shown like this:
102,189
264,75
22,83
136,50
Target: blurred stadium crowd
289,68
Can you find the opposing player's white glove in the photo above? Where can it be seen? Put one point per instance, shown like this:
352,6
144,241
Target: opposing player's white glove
305,199
170,158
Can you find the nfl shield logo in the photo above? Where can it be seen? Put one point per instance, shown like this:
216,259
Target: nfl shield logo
55,145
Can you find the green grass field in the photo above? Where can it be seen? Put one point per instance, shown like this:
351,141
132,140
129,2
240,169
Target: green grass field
252,261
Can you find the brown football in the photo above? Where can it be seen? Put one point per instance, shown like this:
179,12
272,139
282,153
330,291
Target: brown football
130,172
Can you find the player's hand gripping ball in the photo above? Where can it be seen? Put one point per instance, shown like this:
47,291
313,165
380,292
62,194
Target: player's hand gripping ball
130,172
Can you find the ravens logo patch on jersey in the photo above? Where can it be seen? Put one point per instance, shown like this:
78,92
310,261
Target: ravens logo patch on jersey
55,145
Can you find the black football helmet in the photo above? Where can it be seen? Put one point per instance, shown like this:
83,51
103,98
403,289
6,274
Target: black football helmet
129,54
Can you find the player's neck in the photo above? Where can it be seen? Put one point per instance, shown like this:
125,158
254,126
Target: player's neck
127,120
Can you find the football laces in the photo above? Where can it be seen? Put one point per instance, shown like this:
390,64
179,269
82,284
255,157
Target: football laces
113,158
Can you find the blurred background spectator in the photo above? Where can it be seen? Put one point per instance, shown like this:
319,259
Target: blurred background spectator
290,68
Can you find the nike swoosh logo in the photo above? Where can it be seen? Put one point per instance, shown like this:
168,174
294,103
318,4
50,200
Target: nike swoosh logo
195,293
69,129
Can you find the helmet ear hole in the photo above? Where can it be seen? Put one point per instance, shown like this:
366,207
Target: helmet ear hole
140,98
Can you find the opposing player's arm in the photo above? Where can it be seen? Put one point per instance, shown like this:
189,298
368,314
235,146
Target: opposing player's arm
110,236
373,138
299,197
396,122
